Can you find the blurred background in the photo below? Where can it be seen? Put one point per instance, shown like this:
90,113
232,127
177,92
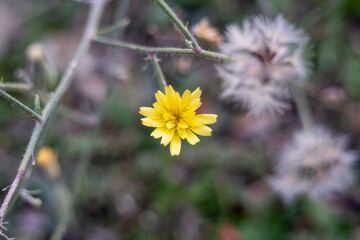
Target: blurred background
111,180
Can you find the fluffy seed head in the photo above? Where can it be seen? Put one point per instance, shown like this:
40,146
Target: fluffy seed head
175,118
268,55
315,163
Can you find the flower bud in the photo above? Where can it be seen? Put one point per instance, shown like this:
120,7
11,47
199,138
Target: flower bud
35,53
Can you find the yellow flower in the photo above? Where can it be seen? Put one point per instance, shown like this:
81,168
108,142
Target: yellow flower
47,159
175,118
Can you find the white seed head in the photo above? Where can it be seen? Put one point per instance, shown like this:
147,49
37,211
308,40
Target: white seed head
35,52
315,163
268,55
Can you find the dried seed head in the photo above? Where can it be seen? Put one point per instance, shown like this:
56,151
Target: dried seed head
315,163
204,30
268,55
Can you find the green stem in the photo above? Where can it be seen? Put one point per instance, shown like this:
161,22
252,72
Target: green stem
51,106
163,5
27,156
303,108
85,157
115,26
31,113
15,86
159,50
158,72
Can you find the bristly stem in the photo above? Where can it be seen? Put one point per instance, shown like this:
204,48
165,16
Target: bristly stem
31,113
51,107
160,50
85,157
163,5
15,86
158,72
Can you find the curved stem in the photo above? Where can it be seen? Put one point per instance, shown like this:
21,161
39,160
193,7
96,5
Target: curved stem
158,72
160,50
85,157
163,5
52,105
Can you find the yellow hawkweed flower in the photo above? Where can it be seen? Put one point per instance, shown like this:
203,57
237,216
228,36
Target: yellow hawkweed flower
47,159
175,118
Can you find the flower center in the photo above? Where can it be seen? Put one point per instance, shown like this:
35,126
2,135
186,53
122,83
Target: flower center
265,56
172,120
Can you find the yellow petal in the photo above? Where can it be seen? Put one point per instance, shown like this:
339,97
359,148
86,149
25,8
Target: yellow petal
159,107
169,91
147,122
152,123
147,111
207,118
182,132
187,114
192,138
175,145
158,132
195,104
173,103
170,124
185,99
160,97
202,130
181,123
168,116
195,94
168,135
194,121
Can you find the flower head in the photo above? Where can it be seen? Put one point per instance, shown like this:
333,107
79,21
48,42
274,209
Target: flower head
268,55
315,163
47,159
175,118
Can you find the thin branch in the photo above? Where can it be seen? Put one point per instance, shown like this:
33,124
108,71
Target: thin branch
85,157
15,86
303,108
158,72
14,102
6,237
115,26
163,5
159,50
51,107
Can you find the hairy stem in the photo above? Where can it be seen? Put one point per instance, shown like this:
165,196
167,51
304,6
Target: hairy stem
85,157
31,113
52,105
158,72
160,50
163,5
15,86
